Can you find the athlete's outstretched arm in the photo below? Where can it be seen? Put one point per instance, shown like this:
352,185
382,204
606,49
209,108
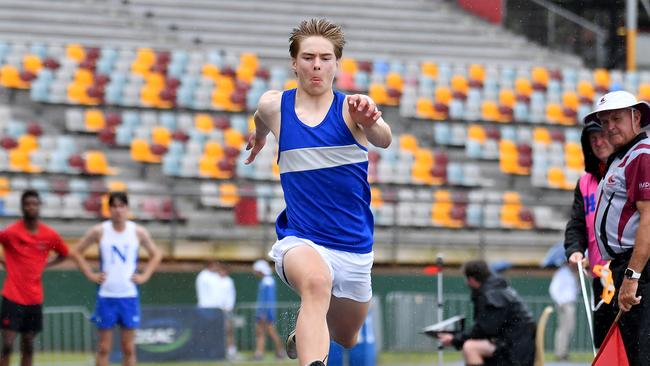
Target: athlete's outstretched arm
155,256
365,113
267,119
91,237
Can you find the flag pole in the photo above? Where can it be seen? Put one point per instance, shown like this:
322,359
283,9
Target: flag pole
440,304
587,306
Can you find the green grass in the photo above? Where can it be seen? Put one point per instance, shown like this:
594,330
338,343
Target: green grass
385,359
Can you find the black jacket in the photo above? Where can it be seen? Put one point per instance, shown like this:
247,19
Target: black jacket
501,316
575,234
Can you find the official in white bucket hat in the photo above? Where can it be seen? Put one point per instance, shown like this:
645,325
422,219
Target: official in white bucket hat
619,100
622,222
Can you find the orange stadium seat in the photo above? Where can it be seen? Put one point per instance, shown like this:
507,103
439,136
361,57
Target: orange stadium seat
602,79
117,186
246,73
292,84
573,156
476,133
441,208
141,152
249,60
161,136
96,163
349,65
210,71
556,178
378,93
523,87
424,108
208,166
476,73
585,90
375,194
490,111
5,186
145,57
84,77
540,76
459,84
19,161
27,143
507,98
203,122
443,95
429,69
94,120
541,135
421,173
233,138
32,63
394,81
554,113
75,52
570,100
408,142
213,149
644,92
228,195
10,78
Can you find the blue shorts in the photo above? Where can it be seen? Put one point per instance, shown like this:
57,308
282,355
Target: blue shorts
110,311
265,314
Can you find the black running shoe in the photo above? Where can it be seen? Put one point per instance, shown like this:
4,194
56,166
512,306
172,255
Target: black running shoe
292,351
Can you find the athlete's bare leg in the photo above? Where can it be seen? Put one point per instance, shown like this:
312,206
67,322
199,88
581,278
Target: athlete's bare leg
128,347
345,318
310,276
104,344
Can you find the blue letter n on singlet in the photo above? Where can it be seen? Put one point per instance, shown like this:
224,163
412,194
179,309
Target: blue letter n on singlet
115,250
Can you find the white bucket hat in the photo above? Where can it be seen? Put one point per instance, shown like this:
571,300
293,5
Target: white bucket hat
619,100
262,266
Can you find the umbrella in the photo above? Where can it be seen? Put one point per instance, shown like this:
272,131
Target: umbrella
555,256
500,266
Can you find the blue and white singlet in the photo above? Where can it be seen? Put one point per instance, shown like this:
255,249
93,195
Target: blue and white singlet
324,176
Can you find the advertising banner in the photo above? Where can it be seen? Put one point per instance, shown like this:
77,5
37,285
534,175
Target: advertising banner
177,333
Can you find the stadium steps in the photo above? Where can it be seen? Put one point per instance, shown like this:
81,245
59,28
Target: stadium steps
383,21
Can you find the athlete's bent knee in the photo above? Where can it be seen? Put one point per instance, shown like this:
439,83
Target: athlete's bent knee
348,343
317,285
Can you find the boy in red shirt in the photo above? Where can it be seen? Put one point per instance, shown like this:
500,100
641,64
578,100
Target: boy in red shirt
27,244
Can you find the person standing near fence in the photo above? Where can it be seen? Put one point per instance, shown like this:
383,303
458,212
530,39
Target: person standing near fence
564,292
622,222
579,236
216,290
117,303
265,311
27,244
325,235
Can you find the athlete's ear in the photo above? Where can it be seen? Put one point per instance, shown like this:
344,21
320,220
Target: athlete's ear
294,66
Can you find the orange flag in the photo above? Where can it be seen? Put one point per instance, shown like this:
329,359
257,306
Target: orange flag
612,351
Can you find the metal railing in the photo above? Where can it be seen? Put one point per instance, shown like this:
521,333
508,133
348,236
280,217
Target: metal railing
407,313
66,339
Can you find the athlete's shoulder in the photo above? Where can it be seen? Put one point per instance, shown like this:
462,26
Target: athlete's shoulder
270,101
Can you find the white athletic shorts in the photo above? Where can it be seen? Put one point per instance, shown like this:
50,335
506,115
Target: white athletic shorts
350,271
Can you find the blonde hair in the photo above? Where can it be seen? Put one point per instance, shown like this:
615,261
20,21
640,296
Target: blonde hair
317,27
